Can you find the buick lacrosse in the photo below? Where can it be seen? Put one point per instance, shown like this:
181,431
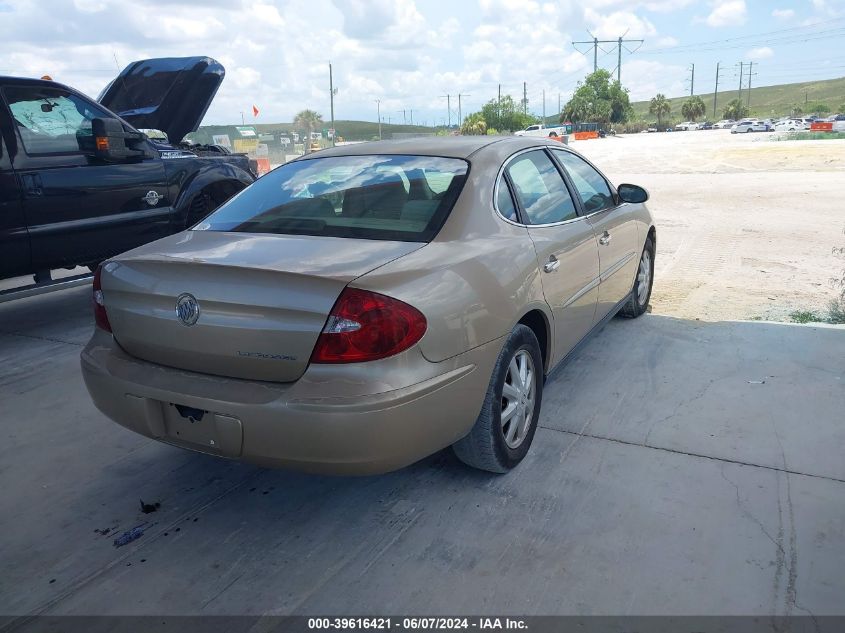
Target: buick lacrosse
365,306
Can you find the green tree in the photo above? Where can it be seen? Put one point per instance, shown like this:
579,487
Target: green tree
693,108
659,107
735,110
505,114
307,120
474,125
819,108
598,99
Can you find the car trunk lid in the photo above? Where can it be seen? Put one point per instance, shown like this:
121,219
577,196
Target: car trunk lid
262,299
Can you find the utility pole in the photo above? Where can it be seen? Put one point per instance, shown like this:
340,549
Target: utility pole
499,109
558,104
460,114
619,63
242,119
378,106
741,65
412,116
716,91
750,67
595,44
692,80
524,98
448,109
332,93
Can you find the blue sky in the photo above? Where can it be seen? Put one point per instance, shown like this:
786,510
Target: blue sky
410,53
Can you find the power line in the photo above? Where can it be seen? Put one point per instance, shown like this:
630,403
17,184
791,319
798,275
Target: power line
595,44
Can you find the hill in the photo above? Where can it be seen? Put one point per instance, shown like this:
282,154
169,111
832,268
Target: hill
766,101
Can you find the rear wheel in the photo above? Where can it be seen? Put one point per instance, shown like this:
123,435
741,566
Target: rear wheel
641,292
506,425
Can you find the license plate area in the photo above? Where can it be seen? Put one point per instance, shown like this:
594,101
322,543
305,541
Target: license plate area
202,430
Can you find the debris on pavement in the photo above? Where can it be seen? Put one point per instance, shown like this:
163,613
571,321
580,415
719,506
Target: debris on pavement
148,508
129,536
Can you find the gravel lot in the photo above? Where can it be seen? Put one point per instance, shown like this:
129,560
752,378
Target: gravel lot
745,224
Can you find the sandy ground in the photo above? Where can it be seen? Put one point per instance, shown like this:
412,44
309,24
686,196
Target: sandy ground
746,224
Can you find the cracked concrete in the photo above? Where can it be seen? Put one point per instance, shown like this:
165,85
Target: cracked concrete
732,502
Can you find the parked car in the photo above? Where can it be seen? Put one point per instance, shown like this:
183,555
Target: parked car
753,125
791,125
360,308
539,129
686,126
723,124
78,181
706,125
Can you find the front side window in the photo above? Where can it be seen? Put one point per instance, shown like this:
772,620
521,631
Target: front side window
540,189
592,188
380,197
51,120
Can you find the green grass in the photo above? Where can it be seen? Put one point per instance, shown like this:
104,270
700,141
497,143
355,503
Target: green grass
805,316
835,315
810,136
766,101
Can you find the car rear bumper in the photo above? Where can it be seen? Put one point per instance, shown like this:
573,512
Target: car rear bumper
313,424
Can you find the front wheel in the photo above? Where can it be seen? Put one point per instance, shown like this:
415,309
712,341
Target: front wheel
505,428
641,292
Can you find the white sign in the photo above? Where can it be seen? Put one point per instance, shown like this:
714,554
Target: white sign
221,139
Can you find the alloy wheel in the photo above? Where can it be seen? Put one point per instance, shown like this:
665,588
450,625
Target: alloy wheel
644,278
518,399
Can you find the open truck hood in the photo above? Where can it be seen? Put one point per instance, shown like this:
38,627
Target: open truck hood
169,94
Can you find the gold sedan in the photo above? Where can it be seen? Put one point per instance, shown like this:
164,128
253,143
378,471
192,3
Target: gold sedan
356,310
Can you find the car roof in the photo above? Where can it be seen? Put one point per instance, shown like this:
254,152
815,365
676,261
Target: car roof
446,146
29,81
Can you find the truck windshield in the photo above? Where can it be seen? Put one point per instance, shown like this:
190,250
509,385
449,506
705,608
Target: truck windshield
379,197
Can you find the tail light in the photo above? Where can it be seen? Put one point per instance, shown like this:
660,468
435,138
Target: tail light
100,316
367,326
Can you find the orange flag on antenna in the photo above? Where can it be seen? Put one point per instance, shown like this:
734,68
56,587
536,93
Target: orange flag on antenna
254,111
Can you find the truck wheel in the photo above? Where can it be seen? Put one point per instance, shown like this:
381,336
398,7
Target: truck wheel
553,135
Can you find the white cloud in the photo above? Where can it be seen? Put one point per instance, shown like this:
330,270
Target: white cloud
783,14
615,24
727,13
760,53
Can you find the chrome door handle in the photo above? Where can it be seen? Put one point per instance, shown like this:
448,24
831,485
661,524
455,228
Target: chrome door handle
604,240
552,265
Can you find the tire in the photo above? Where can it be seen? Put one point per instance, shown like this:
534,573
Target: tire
748,130
638,302
490,446
553,135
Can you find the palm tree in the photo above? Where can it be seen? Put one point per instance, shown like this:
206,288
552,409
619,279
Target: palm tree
307,120
659,106
474,125
735,110
693,108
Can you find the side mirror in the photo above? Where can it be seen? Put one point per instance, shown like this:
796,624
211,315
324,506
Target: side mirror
632,193
112,143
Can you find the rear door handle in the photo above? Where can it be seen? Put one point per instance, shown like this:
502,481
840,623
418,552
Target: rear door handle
604,240
32,185
552,265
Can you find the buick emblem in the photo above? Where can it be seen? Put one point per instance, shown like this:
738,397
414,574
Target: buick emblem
187,309
152,198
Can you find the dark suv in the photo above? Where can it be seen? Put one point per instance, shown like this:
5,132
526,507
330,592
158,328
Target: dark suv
79,183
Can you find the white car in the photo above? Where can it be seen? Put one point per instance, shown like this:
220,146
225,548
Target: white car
724,124
791,125
749,126
686,126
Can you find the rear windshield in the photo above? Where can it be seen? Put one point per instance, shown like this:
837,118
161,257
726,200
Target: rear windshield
378,197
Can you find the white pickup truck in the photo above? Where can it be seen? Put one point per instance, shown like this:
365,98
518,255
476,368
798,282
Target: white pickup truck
538,129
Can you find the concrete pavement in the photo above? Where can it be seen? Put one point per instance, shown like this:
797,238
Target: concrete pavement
680,468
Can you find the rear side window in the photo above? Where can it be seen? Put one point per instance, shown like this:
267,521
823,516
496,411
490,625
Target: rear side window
592,188
51,120
379,197
540,189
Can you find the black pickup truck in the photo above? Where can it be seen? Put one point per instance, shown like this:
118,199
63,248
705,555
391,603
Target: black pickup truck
79,183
